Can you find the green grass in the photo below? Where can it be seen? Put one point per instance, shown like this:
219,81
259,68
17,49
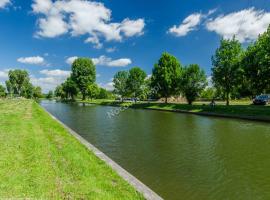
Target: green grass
236,109
39,159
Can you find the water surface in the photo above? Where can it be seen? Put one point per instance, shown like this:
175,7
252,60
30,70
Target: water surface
179,156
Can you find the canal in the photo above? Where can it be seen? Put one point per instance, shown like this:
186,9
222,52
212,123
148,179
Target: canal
179,156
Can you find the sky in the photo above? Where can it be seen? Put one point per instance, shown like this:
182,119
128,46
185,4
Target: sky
45,36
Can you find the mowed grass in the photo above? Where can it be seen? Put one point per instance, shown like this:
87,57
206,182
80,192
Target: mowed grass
236,109
40,160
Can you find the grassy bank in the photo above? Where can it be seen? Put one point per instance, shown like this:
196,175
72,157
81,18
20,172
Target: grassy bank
238,109
39,159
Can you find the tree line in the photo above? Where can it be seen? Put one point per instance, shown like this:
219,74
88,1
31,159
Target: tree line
81,83
236,73
18,85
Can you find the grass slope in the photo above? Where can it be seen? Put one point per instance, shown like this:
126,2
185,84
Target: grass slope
39,159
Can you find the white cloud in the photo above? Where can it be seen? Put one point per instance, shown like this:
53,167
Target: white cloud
106,61
189,24
47,83
52,26
70,60
35,60
245,25
111,49
4,3
3,76
81,17
108,86
95,41
55,73
51,79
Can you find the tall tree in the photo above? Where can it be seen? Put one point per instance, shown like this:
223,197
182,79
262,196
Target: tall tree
83,74
120,83
135,82
2,91
193,82
166,75
226,67
17,80
256,63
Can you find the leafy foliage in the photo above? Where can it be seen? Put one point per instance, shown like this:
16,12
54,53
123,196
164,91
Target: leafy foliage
2,91
193,81
226,68
166,75
83,74
92,91
120,83
135,81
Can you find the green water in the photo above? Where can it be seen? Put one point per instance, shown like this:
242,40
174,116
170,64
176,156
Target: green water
179,156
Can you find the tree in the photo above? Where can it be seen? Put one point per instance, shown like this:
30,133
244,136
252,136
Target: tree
59,92
135,82
226,67
9,87
27,90
120,83
193,82
70,89
92,91
103,94
256,63
37,92
17,80
165,75
83,74
49,95
2,91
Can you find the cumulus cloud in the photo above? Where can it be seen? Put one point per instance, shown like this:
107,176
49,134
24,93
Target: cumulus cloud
70,60
245,25
3,76
106,61
4,3
189,24
50,79
82,17
35,60
55,72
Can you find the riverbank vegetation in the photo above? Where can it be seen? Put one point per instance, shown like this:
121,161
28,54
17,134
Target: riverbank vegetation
237,109
237,73
40,160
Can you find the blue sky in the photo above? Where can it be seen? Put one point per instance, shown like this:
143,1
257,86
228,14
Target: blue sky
43,36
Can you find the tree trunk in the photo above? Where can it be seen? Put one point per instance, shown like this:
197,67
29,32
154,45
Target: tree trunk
83,96
227,99
166,99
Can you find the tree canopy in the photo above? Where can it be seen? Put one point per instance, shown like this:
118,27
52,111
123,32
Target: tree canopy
83,73
193,82
226,71
166,75
120,83
135,82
